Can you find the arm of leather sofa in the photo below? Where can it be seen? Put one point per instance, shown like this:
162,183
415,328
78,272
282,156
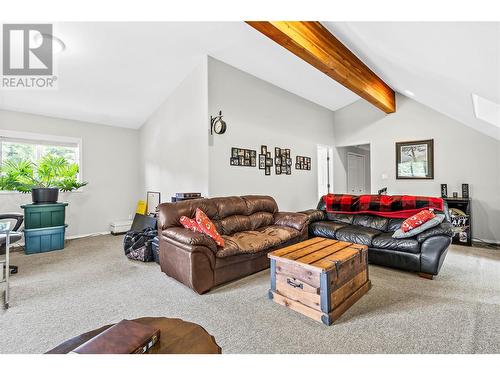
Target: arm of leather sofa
432,253
188,237
314,215
443,229
291,219
192,265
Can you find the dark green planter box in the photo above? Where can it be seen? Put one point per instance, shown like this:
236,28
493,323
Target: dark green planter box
44,215
44,239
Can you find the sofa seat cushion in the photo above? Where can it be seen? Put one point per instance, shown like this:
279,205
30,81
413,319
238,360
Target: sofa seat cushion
385,241
357,234
254,241
325,229
281,232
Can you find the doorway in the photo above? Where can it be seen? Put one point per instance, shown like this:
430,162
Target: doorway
354,176
356,169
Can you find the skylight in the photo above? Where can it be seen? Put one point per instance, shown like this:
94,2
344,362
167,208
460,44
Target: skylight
486,110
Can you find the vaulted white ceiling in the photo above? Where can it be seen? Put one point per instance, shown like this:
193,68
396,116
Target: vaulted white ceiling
441,63
119,73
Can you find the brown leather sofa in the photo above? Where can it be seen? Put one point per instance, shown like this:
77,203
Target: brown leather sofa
250,225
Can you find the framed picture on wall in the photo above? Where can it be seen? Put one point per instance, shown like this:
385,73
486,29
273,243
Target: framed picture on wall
415,160
278,169
262,161
268,171
153,201
263,149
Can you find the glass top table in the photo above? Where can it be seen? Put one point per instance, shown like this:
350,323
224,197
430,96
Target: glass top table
5,230
4,226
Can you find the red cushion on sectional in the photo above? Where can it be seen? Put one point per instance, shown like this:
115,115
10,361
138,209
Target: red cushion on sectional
417,220
207,227
190,224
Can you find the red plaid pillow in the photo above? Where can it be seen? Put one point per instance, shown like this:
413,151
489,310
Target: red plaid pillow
417,220
207,227
190,224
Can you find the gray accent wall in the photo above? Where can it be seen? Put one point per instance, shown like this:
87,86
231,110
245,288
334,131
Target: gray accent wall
259,113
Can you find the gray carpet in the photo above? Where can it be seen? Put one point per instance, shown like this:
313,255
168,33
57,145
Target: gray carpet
60,294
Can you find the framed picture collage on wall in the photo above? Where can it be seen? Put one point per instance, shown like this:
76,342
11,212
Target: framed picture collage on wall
265,160
303,163
242,157
282,161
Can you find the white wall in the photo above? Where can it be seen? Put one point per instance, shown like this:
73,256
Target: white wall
109,164
174,141
258,113
461,155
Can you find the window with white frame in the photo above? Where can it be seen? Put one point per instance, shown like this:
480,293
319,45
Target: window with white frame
16,146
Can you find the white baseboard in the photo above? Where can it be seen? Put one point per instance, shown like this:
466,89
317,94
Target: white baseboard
21,243
87,235
486,241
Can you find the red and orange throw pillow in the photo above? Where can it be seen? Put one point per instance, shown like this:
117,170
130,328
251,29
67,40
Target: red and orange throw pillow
202,224
207,227
417,220
190,224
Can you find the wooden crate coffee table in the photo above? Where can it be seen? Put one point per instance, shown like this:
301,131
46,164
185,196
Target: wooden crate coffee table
320,278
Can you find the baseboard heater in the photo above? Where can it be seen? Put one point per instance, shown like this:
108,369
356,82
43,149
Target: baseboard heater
120,227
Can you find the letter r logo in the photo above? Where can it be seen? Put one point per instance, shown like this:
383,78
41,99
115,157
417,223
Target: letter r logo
27,49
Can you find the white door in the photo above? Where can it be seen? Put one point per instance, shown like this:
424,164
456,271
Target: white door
355,174
325,170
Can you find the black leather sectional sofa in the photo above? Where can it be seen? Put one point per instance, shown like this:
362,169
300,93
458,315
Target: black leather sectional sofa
423,253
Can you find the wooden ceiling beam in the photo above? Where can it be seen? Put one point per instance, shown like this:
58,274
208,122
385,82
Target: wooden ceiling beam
313,43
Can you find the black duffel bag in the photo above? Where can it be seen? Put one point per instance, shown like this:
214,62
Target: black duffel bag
138,245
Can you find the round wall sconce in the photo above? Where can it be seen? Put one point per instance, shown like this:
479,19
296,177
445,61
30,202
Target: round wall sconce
217,124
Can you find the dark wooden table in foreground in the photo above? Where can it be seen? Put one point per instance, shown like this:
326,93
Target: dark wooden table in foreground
176,337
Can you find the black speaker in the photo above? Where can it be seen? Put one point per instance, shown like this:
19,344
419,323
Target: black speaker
444,191
465,191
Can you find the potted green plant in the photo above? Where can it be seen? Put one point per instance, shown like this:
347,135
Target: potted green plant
44,179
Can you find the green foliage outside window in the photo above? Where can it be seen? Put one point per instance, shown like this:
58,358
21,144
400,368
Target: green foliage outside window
18,151
51,171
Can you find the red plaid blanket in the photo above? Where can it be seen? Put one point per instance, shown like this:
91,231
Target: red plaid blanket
393,206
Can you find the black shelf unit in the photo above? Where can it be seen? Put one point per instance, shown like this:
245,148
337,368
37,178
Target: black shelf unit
462,223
